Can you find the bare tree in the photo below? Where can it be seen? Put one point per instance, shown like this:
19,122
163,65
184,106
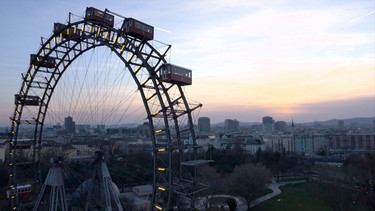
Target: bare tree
336,181
213,179
208,175
248,180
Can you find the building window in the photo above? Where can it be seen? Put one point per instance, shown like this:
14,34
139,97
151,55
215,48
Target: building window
368,141
360,141
352,142
345,142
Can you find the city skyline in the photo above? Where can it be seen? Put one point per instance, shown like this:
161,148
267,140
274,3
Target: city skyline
310,61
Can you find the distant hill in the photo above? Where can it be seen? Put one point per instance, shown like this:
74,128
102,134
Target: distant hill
352,121
333,122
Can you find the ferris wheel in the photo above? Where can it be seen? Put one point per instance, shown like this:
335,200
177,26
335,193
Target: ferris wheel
106,70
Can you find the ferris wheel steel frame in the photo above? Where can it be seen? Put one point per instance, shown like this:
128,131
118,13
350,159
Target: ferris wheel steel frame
40,82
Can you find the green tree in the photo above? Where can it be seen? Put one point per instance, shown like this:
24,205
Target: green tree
3,175
232,204
361,169
227,160
4,202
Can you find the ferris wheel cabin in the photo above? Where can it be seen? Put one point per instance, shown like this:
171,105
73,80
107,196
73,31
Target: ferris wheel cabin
61,30
42,61
137,29
21,144
98,15
20,191
175,74
26,100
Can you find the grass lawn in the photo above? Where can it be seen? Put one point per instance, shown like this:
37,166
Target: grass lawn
266,191
294,197
315,196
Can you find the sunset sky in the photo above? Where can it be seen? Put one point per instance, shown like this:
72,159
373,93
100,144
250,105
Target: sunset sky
292,59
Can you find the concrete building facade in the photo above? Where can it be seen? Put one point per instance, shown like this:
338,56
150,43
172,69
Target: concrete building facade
204,124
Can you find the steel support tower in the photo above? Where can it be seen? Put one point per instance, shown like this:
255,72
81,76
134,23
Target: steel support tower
102,192
52,195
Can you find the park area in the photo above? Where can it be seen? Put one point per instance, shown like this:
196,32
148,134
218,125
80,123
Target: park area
310,196
314,196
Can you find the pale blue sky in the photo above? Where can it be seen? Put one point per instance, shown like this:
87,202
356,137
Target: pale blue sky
253,58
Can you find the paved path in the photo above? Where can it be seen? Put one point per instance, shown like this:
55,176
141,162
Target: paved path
241,202
274,186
